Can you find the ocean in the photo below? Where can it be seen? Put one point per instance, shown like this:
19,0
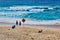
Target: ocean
35,12
32,14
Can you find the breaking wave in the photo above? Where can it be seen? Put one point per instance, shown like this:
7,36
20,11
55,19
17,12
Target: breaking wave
37,14
29,8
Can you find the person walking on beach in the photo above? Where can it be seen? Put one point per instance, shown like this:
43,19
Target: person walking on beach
20,23
13,26
23,20
16,22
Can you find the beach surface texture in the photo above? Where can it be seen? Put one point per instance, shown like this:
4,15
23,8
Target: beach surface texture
29,33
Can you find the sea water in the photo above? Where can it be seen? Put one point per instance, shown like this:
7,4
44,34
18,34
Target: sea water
34,11
32,14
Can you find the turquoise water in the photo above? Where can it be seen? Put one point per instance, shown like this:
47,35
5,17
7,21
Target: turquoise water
34,11
30,9
32,14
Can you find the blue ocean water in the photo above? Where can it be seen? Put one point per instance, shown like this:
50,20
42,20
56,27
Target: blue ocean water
29,2
43,11
31,12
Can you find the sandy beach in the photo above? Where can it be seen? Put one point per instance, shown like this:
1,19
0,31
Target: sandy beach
29,19
29,33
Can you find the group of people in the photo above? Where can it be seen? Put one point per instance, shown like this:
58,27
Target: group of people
18,23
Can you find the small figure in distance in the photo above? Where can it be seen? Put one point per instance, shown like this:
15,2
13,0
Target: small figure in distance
13,26
16,22
23,20
20,23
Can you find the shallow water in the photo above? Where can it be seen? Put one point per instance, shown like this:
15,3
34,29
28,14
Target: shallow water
33,14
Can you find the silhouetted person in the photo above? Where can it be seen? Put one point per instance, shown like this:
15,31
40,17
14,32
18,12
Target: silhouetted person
23,20
13,26
20,23
16,22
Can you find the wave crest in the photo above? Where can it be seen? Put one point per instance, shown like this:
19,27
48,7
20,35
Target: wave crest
29,8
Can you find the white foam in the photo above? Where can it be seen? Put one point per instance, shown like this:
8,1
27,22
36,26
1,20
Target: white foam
50,8
20,7
29,21
51,22
24,8
37,10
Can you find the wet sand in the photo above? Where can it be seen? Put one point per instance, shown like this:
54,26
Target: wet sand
29,33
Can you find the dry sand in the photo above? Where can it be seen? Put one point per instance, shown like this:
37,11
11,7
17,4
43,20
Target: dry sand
29,33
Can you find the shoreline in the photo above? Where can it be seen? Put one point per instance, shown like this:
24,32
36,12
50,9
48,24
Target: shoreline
11,21
30,21
39,25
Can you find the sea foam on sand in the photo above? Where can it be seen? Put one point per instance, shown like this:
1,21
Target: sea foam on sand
29,21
